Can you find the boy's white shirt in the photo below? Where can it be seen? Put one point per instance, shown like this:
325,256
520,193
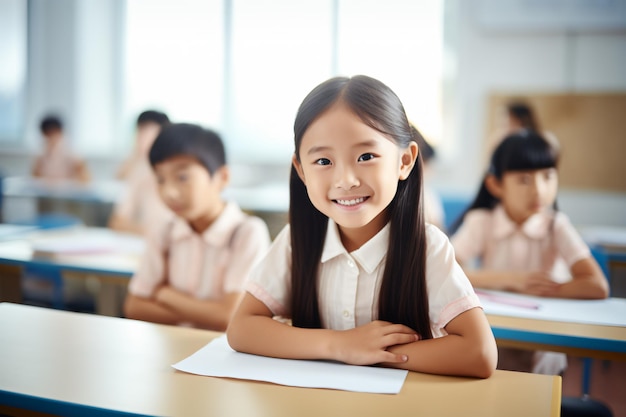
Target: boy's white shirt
208,265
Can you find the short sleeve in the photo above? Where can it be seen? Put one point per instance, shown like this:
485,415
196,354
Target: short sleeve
469,240
450,292
270,280
250,242
570,244
151,271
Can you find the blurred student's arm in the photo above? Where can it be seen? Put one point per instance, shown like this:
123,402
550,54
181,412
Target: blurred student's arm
588,282
81,171
121,223
208,314
37,167
147,309
532,283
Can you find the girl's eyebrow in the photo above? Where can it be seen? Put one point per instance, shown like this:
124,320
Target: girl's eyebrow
316,149
365,144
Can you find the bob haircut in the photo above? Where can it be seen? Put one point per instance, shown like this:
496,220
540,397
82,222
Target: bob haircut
403,295
524,150
185,139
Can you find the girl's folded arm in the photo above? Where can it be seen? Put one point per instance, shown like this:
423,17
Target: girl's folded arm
588,281
253,330
469,349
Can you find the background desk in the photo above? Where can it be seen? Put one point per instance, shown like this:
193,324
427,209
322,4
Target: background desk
584,340
27,198
586,328
71,364
111,269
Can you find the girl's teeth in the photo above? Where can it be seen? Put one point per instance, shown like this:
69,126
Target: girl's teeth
351,202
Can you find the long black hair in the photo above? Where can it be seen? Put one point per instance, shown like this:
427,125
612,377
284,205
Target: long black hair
519,151
403,295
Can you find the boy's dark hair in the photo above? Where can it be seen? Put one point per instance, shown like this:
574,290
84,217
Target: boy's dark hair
153,116
425,149
50,123
519,151
191,140
403,294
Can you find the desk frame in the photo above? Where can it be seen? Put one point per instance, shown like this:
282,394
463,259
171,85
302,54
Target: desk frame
589,341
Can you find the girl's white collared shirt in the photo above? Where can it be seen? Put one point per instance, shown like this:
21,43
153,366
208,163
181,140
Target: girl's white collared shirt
349,283
545,242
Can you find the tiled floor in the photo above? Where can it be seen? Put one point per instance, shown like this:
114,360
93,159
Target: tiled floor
608,383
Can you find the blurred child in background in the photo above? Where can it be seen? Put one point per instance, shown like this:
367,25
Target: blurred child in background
520,115
433,207
523,244
57,161
195,266
140,207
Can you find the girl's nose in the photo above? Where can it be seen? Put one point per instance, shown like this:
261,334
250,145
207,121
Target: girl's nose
538,184
346,178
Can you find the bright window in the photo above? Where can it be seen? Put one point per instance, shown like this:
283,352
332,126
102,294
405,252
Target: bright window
243,66
13,56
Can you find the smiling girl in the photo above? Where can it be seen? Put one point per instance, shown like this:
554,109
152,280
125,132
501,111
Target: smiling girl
361,276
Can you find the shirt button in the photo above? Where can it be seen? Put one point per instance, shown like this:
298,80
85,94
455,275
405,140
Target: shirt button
346,313
350,263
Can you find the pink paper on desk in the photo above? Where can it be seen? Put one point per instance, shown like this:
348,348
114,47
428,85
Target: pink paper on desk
219,360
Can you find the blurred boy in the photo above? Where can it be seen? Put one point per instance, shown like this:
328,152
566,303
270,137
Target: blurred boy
57,162
195,266
139,206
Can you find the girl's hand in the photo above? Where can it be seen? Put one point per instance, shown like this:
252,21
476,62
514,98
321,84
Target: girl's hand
537,283
164,293
367,344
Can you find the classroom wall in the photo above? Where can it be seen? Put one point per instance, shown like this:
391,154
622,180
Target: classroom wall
478,61
482,61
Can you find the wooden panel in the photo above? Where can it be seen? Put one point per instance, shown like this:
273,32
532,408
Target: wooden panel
591,129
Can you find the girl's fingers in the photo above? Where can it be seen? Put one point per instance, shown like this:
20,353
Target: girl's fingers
398,328
389,357
400,339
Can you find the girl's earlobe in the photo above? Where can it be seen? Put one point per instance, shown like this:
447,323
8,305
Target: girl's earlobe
493,185
407,160
298,167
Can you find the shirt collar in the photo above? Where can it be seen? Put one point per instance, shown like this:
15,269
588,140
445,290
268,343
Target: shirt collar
368,256
218,234
536,226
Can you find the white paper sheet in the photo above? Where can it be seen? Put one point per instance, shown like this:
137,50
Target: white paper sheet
218,359
609,312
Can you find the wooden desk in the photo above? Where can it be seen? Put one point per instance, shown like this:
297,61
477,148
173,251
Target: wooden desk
111,269
77,364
